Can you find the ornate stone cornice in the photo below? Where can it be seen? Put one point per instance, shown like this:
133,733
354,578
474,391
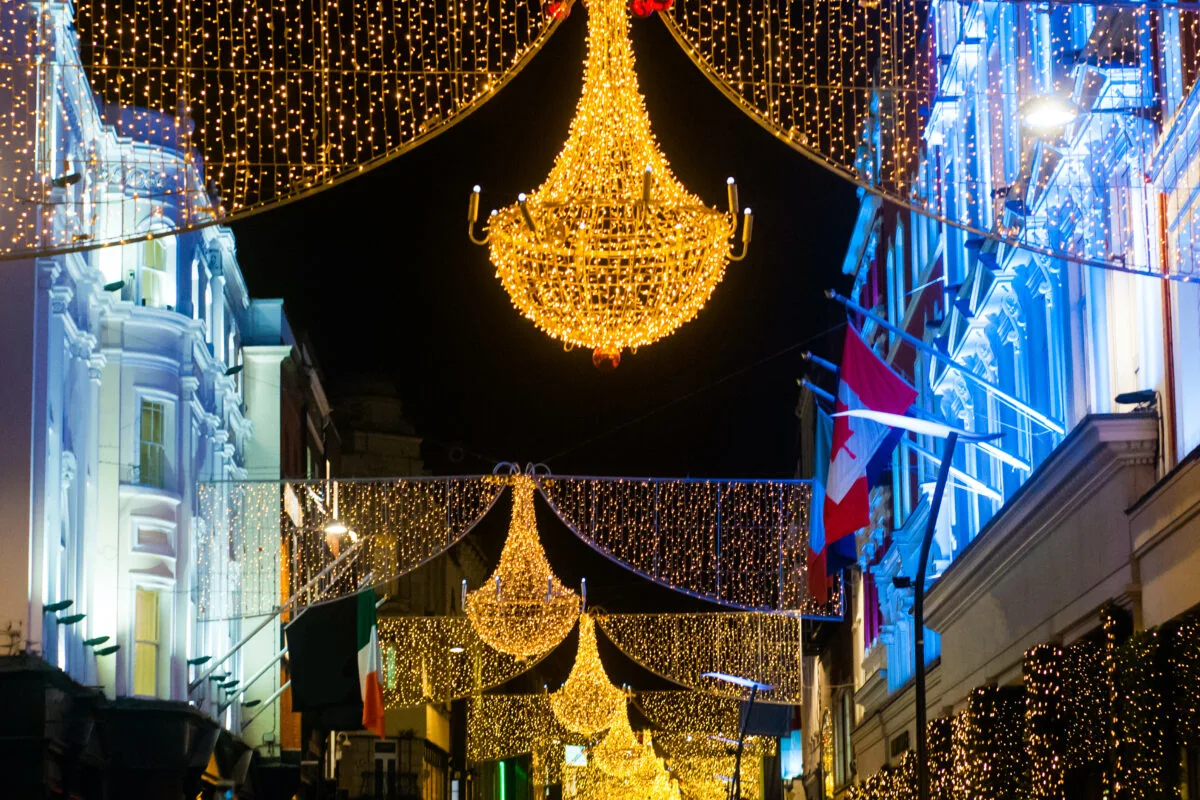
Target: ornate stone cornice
1098,447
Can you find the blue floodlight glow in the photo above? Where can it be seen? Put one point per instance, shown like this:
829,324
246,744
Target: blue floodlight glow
737,680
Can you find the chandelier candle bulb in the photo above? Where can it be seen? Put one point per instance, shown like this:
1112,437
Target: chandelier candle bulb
731,188
647,179
525,213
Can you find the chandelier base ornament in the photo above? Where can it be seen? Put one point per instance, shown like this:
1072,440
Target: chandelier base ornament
612,252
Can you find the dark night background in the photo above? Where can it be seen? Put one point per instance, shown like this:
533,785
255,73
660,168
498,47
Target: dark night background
380,274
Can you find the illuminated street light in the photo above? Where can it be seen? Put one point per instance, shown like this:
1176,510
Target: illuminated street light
1048,112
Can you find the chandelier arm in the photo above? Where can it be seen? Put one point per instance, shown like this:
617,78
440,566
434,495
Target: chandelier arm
473,218
747,228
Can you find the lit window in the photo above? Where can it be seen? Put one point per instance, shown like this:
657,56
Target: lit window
154,273
195,289
145,644
152,450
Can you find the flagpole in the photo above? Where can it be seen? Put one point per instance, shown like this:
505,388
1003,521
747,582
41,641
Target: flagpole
919,616
951,435
965,372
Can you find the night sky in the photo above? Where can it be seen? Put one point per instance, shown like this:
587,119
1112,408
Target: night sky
381,276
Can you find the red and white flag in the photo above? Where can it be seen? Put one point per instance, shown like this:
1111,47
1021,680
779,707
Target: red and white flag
861,447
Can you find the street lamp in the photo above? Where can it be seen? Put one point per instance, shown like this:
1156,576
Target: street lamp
951,435
735,786
1048,112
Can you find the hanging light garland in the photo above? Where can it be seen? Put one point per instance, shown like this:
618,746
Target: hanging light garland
210,112
738,543
440,659
258,541
523,609
682,647
611,252
587,702
701,764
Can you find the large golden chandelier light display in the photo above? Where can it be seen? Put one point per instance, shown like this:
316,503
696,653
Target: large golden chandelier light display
523,609
588,701
611,252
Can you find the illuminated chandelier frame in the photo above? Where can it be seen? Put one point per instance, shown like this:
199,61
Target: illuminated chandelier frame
611,252
522,609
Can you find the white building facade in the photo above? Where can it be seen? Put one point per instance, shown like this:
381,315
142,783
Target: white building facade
124,373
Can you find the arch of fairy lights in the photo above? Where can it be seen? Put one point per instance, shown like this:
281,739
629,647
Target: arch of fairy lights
284,98
248,106
738,543
818,75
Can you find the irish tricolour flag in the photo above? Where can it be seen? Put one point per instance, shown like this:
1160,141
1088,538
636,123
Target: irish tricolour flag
368,664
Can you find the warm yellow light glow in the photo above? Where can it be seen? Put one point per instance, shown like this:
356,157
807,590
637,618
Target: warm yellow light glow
522,609
611,252
767,646
439,659
587,702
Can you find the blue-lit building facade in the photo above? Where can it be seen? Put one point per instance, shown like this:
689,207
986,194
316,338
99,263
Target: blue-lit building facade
131,373
1086,500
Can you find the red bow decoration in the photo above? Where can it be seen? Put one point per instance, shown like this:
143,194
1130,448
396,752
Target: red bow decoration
644,8
559,9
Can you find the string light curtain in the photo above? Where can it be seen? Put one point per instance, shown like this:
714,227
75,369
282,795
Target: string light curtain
611,252
258,542
505,725
620,752
681,647
923,104
702,764
587,702
523,609
691,712
440,659
244,106
737,543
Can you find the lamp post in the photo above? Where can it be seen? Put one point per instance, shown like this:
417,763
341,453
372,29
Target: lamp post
951,436
735,785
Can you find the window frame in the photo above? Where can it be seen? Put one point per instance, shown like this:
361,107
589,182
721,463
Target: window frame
145,447
139,643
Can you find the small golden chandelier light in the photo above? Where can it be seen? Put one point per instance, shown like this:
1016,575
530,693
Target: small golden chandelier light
621,755
611,252
587,702
523,609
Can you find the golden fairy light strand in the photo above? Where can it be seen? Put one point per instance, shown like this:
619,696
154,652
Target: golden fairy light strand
699,762
439,659
250,534
523,609
211,112
682,647
506,725
923,104
690,712
611,252
587,702
738,543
